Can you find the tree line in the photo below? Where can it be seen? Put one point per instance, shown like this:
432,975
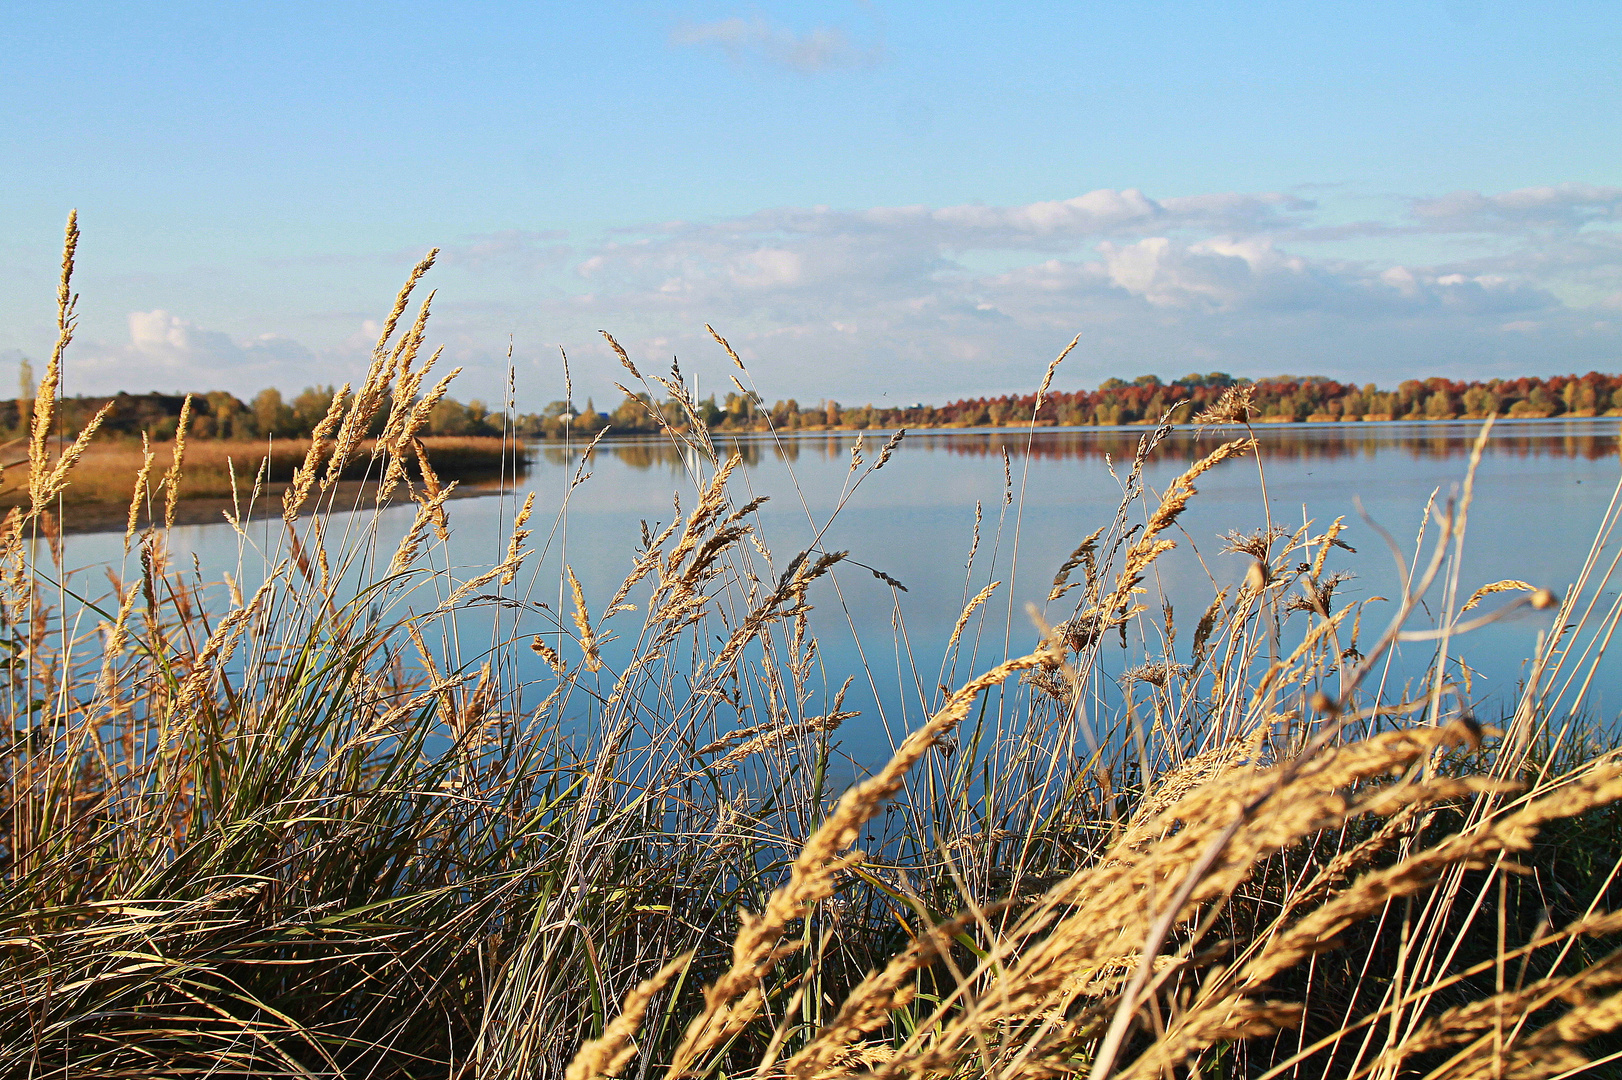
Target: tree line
220,415
1117,401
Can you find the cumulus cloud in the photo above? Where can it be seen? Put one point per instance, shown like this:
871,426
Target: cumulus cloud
1221,273
1239,275
883,251
934,302
825,48
1214,253
970,298
166,352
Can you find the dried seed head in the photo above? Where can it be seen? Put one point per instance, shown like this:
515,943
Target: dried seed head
171,479
1233,407
624,359
549,654
582,622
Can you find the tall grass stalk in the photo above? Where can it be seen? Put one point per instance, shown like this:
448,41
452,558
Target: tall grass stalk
312,821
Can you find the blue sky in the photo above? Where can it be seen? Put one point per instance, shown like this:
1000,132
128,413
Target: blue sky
874,201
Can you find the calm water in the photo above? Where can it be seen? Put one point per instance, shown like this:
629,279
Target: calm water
1542,490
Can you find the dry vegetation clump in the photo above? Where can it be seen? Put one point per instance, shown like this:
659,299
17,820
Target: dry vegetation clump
350,813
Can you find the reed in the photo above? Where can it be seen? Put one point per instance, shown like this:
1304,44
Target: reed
361,810
107,471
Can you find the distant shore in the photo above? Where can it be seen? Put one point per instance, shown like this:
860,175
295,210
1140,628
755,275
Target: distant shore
113,517
219,476
219,416
1128,425
98,498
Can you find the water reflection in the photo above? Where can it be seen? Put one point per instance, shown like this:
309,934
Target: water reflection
1586,439
1543,491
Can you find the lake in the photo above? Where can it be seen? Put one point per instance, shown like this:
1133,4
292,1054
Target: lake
1543,489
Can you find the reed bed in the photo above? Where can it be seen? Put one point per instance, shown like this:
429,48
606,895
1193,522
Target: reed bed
352,813
215,468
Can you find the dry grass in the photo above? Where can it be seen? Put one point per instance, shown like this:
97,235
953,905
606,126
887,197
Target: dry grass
107,471
313,822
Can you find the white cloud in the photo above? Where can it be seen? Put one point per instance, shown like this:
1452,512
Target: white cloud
1561,207
934,302
1153,284
1220,272
825,48
923,259
165,352
767,268
162,338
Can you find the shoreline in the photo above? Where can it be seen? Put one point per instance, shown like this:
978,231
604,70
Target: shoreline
107,516
97,496
1471,423
87,516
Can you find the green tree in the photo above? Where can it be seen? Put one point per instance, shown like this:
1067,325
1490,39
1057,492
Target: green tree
1538,403
1410,398
310,407
230,418
786,414
449,417
1580,396
1480,402
632,414
271,416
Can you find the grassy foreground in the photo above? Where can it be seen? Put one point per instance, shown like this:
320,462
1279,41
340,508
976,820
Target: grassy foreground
302,823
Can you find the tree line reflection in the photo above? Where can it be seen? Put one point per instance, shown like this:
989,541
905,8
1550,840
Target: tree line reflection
1586,439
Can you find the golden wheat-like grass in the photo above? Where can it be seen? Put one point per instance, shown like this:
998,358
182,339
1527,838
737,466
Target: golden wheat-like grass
305,822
